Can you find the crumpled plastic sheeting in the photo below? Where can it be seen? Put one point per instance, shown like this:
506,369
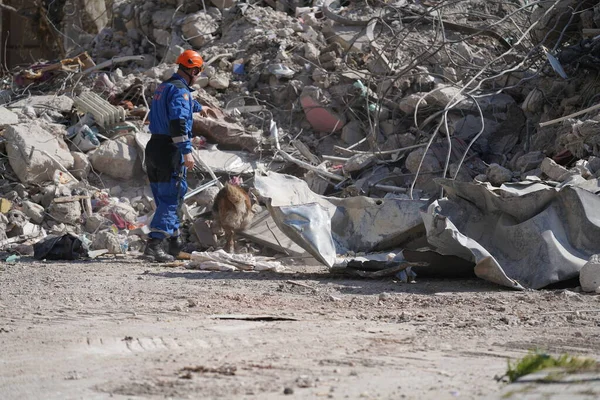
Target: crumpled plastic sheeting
327,226
222,261
520,235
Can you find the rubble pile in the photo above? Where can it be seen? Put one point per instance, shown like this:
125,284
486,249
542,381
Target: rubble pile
387,101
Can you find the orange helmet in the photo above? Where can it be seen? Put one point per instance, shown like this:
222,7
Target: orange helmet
190,59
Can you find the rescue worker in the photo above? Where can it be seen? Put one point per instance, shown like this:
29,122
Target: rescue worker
169,154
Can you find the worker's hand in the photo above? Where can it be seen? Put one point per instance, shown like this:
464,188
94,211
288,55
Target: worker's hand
188,161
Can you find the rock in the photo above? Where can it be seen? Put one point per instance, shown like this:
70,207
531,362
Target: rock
81,166
589,276
115,159
358,162
42,103
7,117
594,164
443,95
497,174
352,132
109,241
553,170
116,191
430,164
399,141
68,213
469,126
219,81
162,37
39,167
533,102
34,212
408,104
96,222
481,178
163,18
531,160
197,28
311,52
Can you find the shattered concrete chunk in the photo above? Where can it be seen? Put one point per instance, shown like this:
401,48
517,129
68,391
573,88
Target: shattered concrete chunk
358,162
352,132
219,81
311,52
34,212
498,175
164,18
408,104
530,160
197,28
25,146
589,276
96,222
115,159
42,103
443,95
81,166
469,126
109,241
553,170
67,213
7,117
430,164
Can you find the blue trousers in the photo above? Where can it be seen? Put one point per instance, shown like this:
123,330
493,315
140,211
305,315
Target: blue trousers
167,176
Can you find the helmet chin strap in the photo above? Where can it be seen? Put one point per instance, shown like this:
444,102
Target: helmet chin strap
190,77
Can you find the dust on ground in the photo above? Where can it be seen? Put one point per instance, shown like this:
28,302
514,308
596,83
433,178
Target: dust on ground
125,329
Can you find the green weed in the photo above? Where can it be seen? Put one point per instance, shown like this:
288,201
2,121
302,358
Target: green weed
537,361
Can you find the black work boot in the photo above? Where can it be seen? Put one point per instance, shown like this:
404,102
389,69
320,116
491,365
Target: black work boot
174,246
155,252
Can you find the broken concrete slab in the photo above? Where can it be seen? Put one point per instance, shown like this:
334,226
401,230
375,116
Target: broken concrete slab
34,152
217,129
553,170
109,241
349,37
81,166
498,175
33,211
67,213
42,103
115,159
7,117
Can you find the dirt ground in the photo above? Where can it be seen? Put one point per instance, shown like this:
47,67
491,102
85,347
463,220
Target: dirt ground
125,329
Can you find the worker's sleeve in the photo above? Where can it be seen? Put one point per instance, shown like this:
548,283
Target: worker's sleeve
197,106
179,114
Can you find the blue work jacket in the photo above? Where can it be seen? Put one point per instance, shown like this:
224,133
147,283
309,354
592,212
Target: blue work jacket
171,112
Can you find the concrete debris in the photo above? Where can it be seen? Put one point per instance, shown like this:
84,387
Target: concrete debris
497,174
35,153
116,159
320,91
7,117
589,276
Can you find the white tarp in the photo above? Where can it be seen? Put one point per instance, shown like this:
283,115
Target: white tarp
518,235
327,226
